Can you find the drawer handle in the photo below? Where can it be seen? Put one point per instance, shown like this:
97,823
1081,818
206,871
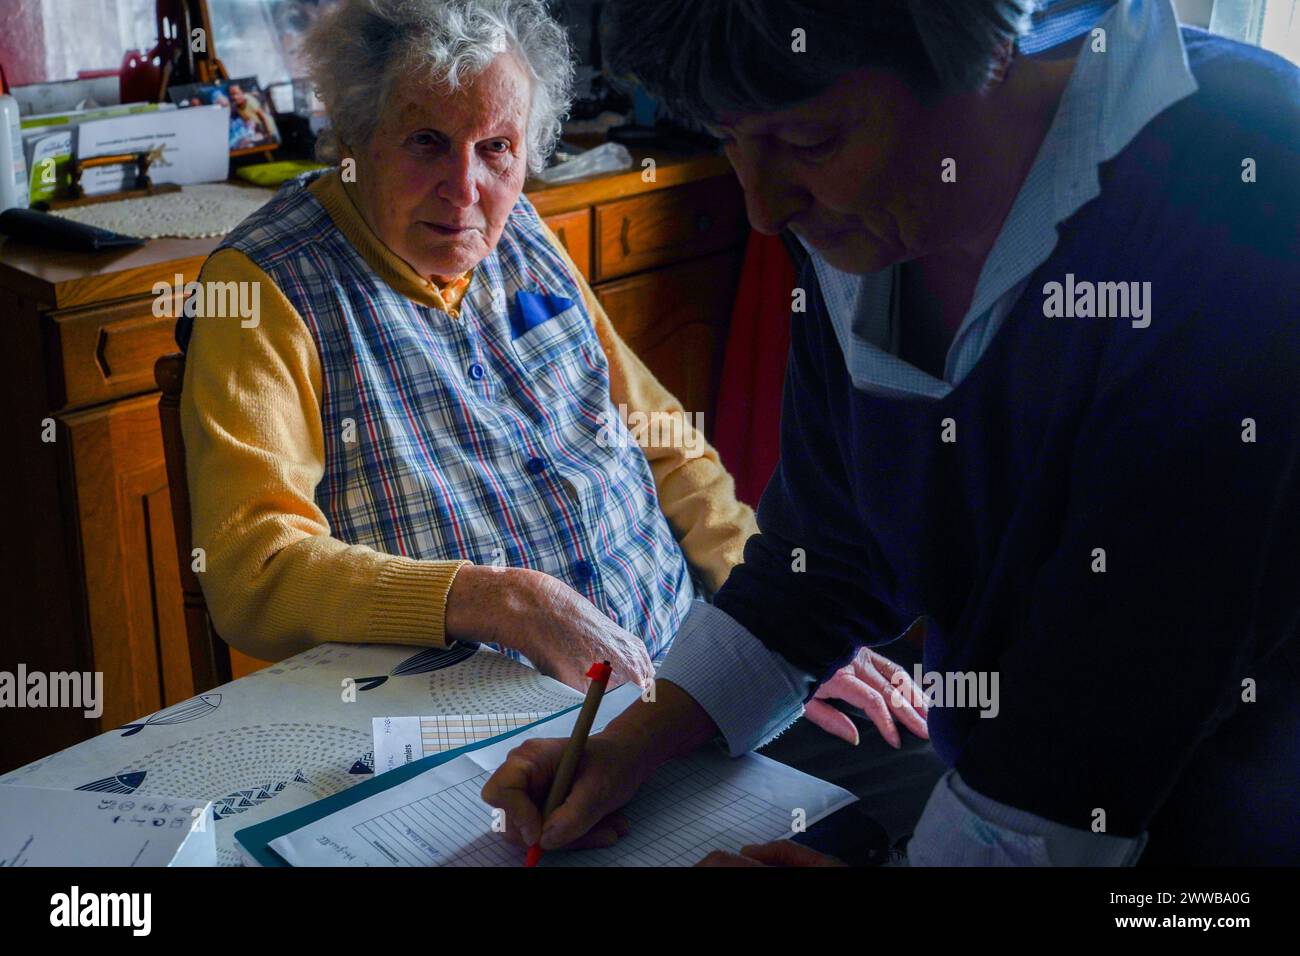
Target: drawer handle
101,354
703,222
622,236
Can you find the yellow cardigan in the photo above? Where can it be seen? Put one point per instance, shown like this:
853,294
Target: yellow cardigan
276,581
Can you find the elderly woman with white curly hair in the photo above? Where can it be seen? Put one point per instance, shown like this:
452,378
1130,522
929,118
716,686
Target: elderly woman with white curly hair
412,444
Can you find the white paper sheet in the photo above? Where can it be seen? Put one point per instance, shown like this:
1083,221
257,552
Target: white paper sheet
194,143
704,802
45,827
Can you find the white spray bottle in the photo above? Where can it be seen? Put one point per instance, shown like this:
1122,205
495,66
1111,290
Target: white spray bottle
13,167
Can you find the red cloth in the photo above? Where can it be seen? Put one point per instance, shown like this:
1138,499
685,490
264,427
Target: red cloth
748,415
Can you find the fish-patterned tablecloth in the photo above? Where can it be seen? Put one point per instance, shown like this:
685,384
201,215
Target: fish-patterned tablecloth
292,733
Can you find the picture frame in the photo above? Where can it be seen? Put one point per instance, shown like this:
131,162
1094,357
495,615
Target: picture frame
252,118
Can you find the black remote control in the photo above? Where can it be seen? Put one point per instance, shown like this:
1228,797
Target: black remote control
41,228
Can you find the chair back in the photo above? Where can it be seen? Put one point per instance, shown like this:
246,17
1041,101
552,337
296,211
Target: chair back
209,654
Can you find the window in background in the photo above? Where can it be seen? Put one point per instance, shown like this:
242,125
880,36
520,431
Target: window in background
261,37
85,35
1272,24
43,41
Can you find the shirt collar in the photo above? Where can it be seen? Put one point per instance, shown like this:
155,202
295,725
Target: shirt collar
1110,97
1054,22
1115,91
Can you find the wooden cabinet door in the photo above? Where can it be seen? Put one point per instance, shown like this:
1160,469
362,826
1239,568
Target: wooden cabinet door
676,319
128,555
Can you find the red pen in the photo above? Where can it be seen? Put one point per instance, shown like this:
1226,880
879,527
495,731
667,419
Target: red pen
568,768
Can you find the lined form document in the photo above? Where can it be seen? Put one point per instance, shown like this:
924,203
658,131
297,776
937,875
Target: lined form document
704,802
685,811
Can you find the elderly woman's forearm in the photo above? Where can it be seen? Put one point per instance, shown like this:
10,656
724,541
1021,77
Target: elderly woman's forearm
478,599
320,589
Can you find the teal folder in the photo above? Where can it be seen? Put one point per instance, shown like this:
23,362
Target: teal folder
256,839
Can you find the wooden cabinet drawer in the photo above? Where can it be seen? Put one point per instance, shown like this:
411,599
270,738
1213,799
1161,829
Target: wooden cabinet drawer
108,351
675,320
667,226
573,229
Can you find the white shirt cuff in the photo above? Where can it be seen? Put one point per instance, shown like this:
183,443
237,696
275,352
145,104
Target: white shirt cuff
961,827
750,692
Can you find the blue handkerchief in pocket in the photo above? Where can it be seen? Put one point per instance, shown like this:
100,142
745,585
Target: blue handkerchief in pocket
532,309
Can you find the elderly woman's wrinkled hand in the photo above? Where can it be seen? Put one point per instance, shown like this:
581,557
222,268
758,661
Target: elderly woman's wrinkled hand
555,627
566,633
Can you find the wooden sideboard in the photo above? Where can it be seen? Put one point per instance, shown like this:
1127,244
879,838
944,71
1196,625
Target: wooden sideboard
88,564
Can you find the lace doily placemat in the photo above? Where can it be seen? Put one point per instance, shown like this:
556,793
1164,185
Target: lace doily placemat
208,209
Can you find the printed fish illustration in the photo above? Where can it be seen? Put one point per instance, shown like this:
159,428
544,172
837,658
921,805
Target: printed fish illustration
191,709
122,783
428,660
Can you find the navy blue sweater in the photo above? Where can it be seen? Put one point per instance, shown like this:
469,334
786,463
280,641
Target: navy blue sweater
1074,434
